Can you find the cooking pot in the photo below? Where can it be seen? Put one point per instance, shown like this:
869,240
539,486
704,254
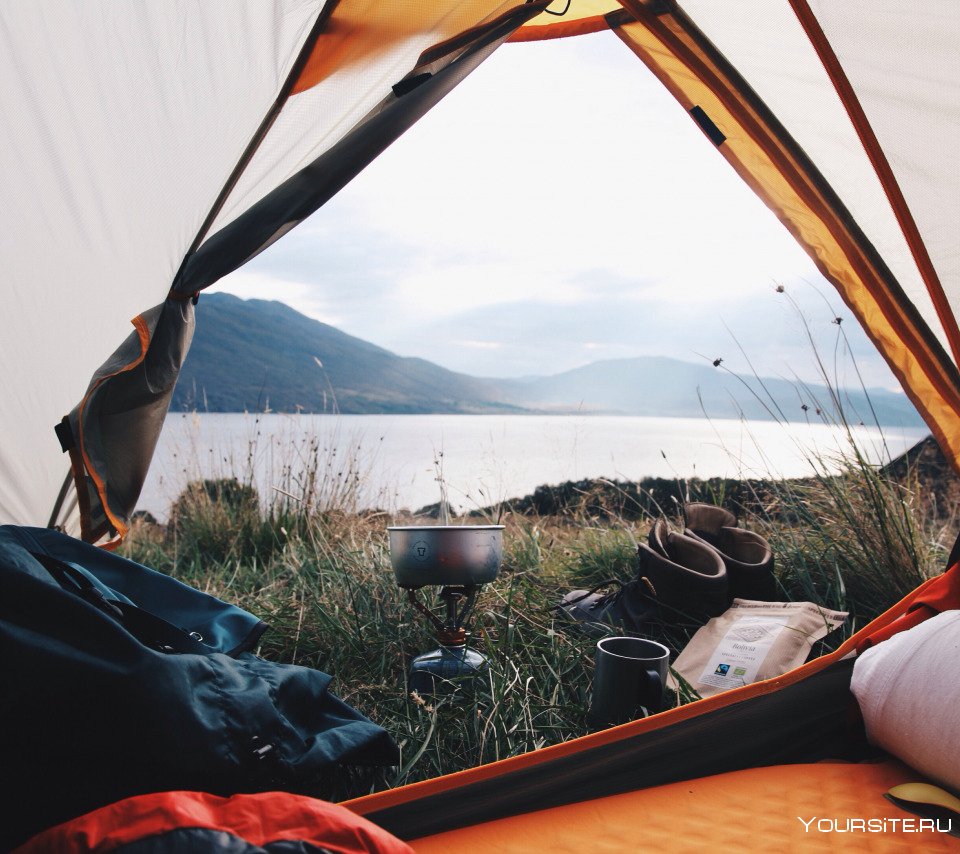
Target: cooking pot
445,554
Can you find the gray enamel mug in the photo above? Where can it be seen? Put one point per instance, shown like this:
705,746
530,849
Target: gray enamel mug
629,676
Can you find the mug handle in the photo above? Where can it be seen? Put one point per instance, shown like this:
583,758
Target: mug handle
656,689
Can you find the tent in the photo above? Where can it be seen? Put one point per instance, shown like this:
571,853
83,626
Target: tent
151,148
156,149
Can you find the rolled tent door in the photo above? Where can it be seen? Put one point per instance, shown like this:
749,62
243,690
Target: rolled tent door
112,433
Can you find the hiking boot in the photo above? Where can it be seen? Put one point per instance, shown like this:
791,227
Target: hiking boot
684,575
746,555
624,610
678,577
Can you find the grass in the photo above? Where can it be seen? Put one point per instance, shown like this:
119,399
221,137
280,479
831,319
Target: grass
852,536
328,592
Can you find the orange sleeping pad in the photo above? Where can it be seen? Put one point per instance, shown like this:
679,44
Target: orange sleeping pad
782,808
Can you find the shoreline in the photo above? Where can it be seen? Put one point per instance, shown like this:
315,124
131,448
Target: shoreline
395,462
922,468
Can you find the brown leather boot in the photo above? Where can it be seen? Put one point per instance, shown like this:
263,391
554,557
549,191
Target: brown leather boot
746,555
685,576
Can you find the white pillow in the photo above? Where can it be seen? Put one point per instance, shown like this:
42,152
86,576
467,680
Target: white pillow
908,688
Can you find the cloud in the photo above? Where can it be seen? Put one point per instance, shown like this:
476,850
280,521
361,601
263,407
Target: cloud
550,160
557,208
765,332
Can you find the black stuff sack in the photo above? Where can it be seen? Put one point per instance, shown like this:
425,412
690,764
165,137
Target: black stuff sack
118,680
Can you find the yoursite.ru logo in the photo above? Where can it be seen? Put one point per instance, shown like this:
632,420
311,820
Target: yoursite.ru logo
875,825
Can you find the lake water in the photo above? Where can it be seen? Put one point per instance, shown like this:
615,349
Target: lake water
395,461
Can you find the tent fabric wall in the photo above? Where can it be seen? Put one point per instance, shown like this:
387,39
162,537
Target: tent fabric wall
134,186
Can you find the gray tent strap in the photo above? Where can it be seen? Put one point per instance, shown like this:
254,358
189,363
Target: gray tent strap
304,193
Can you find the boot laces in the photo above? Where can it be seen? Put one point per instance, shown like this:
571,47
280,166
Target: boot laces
607,598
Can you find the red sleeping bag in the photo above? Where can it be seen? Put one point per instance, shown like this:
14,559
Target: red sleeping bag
186,822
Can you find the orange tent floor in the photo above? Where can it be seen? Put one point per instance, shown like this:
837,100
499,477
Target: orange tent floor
756,810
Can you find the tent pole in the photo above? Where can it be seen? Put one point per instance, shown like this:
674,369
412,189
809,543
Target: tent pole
881,165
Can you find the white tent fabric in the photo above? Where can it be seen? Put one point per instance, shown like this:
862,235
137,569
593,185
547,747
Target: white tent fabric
777,59
904,64
375,44
122,123
133,120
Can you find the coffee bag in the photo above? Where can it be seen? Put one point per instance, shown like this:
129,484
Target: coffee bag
752,641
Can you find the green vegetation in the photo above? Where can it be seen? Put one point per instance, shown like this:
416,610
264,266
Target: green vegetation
318,571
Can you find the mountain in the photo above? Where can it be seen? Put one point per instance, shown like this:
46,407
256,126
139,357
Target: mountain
251,355
653,385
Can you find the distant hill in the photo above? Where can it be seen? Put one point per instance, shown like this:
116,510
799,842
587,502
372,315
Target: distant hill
653,385
251,355
248,355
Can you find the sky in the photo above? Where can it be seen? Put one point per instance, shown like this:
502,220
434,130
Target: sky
559,208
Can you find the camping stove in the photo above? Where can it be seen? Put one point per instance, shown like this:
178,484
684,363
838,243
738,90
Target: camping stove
459,559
